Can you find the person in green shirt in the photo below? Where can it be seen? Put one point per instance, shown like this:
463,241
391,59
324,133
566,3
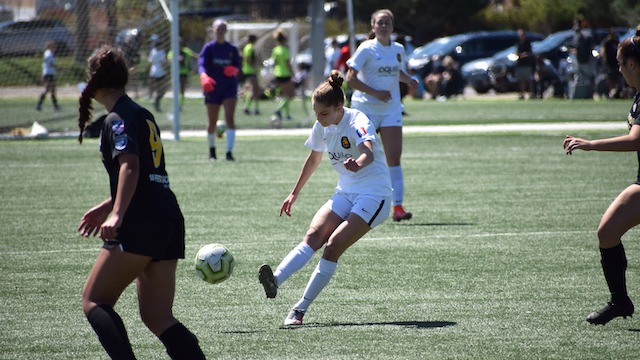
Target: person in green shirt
283,72
249,65
185,66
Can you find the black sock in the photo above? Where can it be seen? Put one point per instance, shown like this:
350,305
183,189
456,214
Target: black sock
614,265
54,101
181,343
212,152
111,332
41,100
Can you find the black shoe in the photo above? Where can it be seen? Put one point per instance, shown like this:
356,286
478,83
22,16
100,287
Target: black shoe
230,157
212,154
610,312
38,107
246,111
256,112
265,275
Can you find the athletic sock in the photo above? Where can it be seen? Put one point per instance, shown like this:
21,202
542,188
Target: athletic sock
294,261
41,100
247,101
111,332
181,343
319,279
281,104
397,183
287,111
54,101
211,139
614,266
181,101
231,139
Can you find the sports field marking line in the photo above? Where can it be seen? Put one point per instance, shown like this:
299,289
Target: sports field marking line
365,239
518,127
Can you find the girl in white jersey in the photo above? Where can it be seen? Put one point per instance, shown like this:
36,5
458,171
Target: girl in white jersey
362,199
375,72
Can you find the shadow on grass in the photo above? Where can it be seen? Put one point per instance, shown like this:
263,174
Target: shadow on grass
432,224
407,324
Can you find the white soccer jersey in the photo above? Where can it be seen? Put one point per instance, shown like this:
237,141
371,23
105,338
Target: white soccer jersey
49,63
379,67
341,142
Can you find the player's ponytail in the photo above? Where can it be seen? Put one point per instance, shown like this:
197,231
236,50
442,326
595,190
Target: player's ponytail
107,70
630,47
330,93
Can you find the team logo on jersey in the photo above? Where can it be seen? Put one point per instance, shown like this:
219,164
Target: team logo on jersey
399,58
117,127
345,142
361,132
120,142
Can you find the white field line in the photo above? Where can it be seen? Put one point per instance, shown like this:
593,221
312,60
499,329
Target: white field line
553,127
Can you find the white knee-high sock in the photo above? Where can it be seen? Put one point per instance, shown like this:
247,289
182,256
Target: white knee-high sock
397,182
294,261
319,279
231,139
211,139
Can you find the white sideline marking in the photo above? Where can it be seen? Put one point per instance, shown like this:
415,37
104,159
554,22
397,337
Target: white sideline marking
524,127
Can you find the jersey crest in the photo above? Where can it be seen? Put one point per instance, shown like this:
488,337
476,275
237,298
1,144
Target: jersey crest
117,127
399,58
345,142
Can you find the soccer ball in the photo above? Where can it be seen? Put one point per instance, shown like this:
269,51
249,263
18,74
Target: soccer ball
221,127
276,122
214,263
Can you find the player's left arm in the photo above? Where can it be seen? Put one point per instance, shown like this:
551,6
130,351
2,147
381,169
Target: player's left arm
629,142
408,80
365,158
127,183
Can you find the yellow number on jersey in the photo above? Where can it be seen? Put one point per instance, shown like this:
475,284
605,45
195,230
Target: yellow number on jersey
156,144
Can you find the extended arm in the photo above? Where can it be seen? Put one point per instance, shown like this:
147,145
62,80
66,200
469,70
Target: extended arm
310,165
629,142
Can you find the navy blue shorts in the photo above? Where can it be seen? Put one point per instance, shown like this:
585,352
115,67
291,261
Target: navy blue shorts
161,239
218,95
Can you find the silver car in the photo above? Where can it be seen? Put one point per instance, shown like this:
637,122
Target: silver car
31,37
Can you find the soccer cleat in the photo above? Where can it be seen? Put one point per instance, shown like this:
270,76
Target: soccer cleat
400,214
265,275
294,317
289,118
610,312
278,114
246,111
38,107
230,157
212,154
256,112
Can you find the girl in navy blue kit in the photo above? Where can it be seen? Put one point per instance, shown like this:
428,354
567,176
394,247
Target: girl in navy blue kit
624,211
140,224
218,66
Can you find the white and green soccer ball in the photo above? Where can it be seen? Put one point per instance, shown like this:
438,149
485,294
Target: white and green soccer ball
221,127
214,263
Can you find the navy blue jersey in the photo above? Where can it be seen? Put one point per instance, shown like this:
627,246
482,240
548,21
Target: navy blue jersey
131,129
634,120
214,57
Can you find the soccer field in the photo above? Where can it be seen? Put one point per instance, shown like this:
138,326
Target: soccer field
500,260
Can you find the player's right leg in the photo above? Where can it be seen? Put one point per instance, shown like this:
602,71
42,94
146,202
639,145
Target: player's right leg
213,110
622,215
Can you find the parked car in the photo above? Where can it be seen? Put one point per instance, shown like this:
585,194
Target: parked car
556,47
464,48
31,37
476,74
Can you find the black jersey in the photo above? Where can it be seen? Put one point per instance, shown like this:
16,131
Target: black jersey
634,119
131,129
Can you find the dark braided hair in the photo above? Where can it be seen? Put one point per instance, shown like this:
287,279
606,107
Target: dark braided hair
630,47
330,93
107,70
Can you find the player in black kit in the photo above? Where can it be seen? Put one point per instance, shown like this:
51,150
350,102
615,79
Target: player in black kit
144,234
624,211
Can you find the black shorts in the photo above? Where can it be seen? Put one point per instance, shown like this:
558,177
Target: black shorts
285,79
161,239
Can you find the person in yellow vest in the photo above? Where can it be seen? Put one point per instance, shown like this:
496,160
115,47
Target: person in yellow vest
185,66
283,72
249,65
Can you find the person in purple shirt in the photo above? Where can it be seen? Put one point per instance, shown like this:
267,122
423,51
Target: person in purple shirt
218,65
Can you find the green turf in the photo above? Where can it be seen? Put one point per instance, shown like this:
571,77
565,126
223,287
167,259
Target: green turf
499,262
22,113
